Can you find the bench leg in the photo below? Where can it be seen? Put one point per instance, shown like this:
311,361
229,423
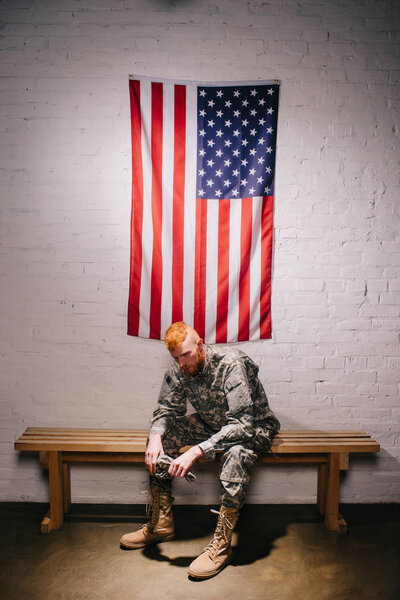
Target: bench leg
322,487
333,520
66,469
54,519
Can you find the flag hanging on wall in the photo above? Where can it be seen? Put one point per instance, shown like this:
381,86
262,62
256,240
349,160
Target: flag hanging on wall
203,158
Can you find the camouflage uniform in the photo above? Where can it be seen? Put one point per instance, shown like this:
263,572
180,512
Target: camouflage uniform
232,416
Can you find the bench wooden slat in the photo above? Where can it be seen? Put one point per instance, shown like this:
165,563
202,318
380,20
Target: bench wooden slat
35,434
129,440
78,431
350,445
144,432
128,457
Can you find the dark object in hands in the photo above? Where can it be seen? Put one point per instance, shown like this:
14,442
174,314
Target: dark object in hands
163,463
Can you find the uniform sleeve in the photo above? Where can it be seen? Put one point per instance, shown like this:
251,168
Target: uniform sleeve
240,421
171,404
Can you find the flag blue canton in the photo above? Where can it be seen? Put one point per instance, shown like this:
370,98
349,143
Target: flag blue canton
236,140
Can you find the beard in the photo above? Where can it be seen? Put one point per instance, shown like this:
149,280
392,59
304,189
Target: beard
197,367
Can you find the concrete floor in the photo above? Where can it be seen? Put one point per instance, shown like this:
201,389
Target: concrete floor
281,553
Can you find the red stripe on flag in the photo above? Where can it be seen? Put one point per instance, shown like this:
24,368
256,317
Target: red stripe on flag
244,275
137,210
221,333
266,263
200,267
156,207
178,202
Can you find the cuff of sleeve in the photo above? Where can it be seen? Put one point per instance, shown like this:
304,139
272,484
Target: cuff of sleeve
156,429
208,450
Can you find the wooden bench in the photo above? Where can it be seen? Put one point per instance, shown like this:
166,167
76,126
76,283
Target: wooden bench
58,448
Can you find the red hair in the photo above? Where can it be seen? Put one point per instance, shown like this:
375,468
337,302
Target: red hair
177,333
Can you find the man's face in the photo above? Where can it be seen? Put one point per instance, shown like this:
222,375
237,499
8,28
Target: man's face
189,355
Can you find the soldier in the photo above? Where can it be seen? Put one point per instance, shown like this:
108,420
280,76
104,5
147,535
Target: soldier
232,417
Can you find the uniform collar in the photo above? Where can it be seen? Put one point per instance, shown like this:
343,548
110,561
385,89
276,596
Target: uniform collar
207,360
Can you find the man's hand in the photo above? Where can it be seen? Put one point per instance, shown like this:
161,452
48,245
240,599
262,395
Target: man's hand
153,451
180,466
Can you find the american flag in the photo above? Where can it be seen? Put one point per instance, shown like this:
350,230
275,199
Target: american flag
203,158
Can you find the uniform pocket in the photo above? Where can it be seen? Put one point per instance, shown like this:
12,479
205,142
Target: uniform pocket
237,395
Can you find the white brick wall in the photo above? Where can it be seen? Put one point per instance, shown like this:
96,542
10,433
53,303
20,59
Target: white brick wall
334,360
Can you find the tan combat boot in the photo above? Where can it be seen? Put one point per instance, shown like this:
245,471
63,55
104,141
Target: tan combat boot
160,528
217,554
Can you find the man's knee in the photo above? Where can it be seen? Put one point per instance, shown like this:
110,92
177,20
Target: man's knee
171,444
236,465
239,454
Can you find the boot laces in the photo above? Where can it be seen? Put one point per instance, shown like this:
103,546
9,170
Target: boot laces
151,508
222,532
149,502
150,512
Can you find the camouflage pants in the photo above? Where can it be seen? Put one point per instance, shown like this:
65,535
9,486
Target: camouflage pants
236,461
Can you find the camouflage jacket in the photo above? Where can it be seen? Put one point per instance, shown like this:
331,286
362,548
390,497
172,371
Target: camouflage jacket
228,396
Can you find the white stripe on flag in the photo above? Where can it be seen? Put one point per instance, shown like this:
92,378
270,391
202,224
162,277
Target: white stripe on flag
147,232
234,268
211,269
190,204
255,270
